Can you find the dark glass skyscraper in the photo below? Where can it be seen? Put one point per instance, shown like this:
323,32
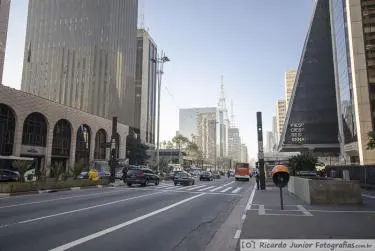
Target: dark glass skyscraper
83,54
311,121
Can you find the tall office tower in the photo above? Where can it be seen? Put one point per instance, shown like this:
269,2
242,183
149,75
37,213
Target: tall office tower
234,143
289,79
311,121
352,31
4,19
244,154
83,54
206,138
269,142
188,118
274,133
145,87
280,116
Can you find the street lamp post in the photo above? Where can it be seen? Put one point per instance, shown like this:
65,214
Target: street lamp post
159,70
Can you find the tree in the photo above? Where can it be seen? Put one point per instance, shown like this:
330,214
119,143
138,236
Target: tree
169,145
302,162
371,141
180,141
136,152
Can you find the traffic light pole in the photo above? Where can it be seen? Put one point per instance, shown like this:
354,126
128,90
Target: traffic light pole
262,178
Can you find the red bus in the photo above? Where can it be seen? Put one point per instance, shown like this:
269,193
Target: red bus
242,171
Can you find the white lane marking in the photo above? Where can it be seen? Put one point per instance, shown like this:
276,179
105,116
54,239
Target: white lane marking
342,211
237,234
181,188
87,208
261,210
237,190
226,189
206,188
57,199
122,225
168,188
193,188
368,196
250,201
304,210
300,215
243,217
215,189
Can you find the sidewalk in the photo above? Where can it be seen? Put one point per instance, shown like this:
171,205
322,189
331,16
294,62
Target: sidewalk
265,220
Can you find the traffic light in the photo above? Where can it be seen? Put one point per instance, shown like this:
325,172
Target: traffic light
257,164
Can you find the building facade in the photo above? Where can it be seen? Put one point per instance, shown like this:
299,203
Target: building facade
206,140
289,79
31,126
145,87
311,122
4,20
270,142
244,154
280,116
234,143
188,118
274,133
83,55
354,49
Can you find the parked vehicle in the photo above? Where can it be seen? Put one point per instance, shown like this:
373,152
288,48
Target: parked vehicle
216,175
206,176
183,178
242,171
142,176
6,163
9,175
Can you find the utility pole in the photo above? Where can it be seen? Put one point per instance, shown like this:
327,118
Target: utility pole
159,70
262,177
112,162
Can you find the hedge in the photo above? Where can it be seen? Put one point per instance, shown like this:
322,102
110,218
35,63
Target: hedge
19,187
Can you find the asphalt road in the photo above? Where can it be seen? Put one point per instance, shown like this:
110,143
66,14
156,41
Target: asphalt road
164,217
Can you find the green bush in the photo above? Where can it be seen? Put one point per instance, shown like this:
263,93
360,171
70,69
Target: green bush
19,187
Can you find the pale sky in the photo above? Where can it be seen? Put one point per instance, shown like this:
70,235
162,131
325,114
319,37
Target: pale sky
251,42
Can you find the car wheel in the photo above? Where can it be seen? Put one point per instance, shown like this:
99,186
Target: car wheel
145,183
175,184
129,184
236,179
156,182
193,182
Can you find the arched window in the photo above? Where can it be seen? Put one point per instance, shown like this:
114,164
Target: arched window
100,144
62,135
83,145
35,130
7,127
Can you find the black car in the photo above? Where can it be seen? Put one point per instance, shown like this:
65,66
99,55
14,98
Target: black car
183,178
142,176
206,176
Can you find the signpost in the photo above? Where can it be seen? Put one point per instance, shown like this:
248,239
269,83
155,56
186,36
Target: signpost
262,178
112,162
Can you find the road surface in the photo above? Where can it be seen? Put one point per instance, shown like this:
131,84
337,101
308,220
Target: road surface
163,217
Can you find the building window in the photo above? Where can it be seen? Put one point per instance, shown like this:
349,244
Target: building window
62,134
35,130
83,143
7,127
100,144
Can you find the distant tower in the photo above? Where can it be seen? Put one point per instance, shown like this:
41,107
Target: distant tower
233,122
223,121
141,14
222,103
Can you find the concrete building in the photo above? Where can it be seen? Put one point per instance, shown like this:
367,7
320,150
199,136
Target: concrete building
274,133
32,126
311,122
270,142
352,23
83,55
145,87
244,154
206,140
280,117
188,118
234,143
4,19
289,79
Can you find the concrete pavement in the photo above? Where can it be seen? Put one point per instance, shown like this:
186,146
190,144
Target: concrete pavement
160,217
264,219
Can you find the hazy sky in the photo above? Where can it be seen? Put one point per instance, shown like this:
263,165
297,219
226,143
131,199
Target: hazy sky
250,42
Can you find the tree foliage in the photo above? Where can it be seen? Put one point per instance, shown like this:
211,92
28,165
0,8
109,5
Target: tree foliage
371,141
302,162
136,152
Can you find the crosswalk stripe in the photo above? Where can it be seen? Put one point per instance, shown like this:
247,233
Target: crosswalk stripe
206,188
237,190
226,189
189,189
169,187
181,188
